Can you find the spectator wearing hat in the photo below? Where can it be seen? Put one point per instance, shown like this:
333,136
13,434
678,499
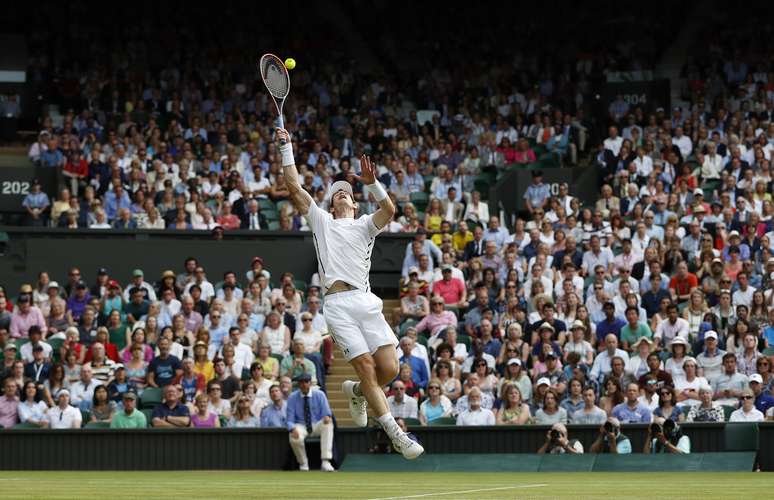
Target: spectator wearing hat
747,412
632,410
39,367
611,440
554,373
637,364
764,401
37,205
138,281
25,316
129,417
308,414
710,359
52,297
64,415
77,301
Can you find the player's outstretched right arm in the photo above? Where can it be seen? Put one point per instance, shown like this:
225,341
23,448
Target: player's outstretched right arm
300,198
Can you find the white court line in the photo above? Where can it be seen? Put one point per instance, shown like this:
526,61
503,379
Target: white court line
464,491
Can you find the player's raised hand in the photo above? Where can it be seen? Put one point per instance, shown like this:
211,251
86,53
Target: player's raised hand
281,135
367,170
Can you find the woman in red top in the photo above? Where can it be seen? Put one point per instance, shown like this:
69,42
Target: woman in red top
507,150
76,169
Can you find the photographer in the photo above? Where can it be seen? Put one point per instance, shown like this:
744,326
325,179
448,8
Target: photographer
611,440
665,436
557,442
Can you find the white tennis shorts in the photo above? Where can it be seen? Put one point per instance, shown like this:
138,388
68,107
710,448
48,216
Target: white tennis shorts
356,323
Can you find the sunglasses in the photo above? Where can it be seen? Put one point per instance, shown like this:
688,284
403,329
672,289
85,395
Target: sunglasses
434,387
306,319
747,397
665,393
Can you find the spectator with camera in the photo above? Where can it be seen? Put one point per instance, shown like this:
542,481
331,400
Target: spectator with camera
557,442
611,440
665,436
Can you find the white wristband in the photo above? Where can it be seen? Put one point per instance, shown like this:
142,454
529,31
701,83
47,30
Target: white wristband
286,150
377,190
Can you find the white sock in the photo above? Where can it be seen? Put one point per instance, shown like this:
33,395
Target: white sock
356,389
389,424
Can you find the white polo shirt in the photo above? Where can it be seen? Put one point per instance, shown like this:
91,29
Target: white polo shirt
482,416
64,419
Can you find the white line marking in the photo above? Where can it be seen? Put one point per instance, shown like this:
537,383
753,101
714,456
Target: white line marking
463,492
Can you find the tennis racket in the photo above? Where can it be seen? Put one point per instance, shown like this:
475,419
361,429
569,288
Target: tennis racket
277,80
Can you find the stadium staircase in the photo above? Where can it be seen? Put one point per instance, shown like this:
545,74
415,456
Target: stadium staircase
340,371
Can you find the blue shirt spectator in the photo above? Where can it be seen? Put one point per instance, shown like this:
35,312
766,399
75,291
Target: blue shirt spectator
418,367
318,406
275,415
114,200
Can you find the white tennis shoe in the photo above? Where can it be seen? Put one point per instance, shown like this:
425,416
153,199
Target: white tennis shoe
407,447
357,404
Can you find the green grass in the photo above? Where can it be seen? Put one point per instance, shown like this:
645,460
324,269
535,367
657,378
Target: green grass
314,485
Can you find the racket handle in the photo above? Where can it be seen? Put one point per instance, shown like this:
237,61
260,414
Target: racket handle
281,124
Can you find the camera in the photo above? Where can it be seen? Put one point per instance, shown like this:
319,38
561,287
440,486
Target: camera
608,427
555,434
656,429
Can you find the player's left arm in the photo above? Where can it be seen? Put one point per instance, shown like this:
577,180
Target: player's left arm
386,210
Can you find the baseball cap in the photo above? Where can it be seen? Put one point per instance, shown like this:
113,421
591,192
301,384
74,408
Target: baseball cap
733,233
710,334
551,354
641,340
113,284
756,377
138,272
698,192
514,361
413,269
168,274
543,381
537,173
257,259
699,209
53,284
716,260
118,366
81,284
130,394
341,186
10,346
680,341
446,267
101,271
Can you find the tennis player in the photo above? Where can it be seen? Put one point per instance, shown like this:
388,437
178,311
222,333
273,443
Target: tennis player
353,314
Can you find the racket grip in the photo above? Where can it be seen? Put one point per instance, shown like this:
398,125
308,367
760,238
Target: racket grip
281,124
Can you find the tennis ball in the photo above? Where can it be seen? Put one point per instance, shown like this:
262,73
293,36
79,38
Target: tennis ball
290,63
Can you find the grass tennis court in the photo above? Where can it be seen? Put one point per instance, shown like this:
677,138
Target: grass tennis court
314,485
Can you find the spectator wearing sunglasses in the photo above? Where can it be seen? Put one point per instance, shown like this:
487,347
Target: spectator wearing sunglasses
747,412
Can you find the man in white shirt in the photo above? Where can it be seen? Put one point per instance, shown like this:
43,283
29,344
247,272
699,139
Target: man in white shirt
601,366
683,142
64,416
743,294
242,352
614,142
400,405
169,304
138,281
672,328
82,392
200,279
35,336
475,414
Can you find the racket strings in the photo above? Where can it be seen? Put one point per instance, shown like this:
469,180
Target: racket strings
275,77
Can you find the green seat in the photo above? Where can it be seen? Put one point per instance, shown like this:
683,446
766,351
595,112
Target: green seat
97,425
25,425
412,421
276,356
274,225
422,340
151,397
56,346
223,421
300,285
769,351
406,325
443,421
85,417
464,339
245,374
265,204
270,215
727,411
148,416
282,204
420,200
740,436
